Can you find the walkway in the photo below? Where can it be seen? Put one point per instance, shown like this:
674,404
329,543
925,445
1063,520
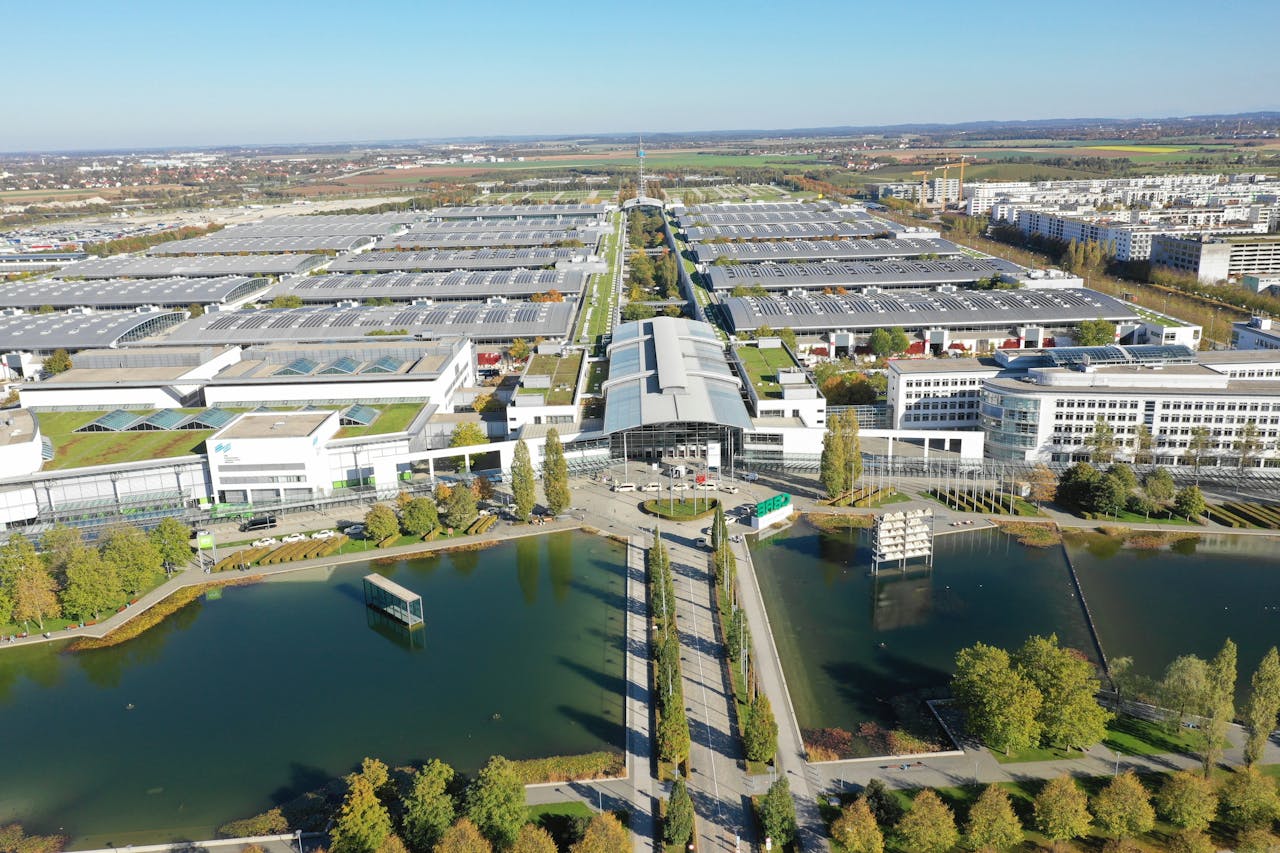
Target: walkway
717,779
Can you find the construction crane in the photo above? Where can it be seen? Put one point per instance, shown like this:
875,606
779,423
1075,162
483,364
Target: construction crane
946,172
924,175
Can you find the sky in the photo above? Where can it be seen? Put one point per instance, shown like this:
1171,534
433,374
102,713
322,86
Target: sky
90,74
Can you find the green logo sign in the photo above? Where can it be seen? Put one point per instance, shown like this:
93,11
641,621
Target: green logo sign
772,504
204,542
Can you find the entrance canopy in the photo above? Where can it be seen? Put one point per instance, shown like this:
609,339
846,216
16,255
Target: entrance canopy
670,370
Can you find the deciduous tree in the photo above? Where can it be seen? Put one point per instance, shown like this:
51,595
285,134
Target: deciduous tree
519,350
760,734
856,829
993,825
1187,800
1264,706
419,516
59,361
884,805
1191,841
1123,807
534,839
1189,502
172,539
1001,705
137,562
1044,485
428,808
555,474
678,826
928,826
380,522
1096,333
1198,446
495,802
604,834
463,837
1220,707
778,813
1249,799
362,823
1159,486
1070,715
1102,441
93,586
460,507
523,487
1247,444
1062,809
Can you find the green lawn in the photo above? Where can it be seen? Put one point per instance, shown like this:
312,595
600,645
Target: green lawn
79,449
1124,516
395,417
681,509
563,372
1134,736
600,292
763,366
1126,735
597,373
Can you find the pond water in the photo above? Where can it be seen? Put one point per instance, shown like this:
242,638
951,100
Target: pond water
1156,605
241,702
852,643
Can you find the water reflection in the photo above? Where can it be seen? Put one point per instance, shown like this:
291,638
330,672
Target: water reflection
410,639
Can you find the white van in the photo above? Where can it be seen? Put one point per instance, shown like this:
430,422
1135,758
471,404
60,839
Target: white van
624,487
651,487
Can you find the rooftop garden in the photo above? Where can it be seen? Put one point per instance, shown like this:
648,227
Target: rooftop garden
81,449
762,368
563,373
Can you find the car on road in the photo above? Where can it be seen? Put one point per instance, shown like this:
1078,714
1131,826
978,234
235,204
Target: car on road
651,487
732,490
624,487
706,487
323,534
679,487
354,530
265,543
751,476
293,537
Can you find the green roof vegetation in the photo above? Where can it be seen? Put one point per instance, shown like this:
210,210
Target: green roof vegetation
395,417
81,449
763,366
563,373
1158,319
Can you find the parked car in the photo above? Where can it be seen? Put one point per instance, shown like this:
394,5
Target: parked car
355,530
263,543
651,487
293,537
624,487
706,487
679,487
323,534
751,476
733,490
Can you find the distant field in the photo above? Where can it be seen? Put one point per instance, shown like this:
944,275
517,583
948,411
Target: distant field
1139,149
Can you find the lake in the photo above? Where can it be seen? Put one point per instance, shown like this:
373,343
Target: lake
852,643
244,701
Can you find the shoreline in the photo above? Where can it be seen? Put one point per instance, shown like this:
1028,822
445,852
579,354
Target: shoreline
192,577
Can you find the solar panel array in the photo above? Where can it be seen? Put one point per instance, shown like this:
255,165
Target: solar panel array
224,243
446,286
371,225
687,218
800,250
793,231
505,321
888,273
473,259
483,211
110,293
761,207
123,266
916,310
427,239
73,331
